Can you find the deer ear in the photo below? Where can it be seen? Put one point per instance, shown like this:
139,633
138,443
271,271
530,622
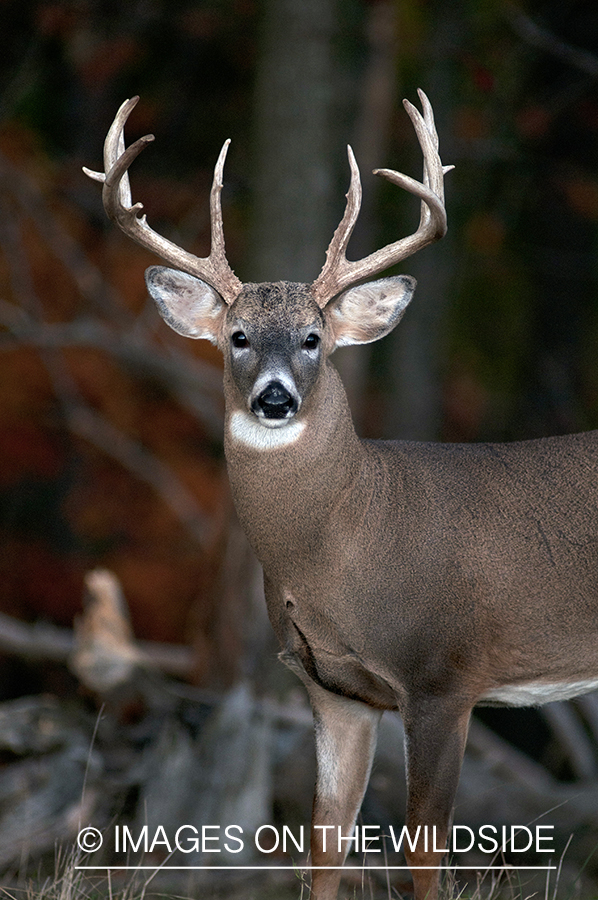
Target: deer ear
190,306
366,313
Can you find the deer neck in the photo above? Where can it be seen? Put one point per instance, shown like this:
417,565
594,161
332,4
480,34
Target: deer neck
286,481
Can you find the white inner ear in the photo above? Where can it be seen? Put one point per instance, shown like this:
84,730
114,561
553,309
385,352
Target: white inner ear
190,306
368,312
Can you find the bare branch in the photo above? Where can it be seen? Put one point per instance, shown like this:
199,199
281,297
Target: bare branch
572,737
43,642
91,284
81,419
588,704
532,33
93,427
196,385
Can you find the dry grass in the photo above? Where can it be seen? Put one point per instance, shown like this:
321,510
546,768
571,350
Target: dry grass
69,882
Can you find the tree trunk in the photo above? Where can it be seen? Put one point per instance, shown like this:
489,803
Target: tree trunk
295,116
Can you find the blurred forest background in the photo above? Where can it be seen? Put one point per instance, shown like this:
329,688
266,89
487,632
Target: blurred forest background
111,425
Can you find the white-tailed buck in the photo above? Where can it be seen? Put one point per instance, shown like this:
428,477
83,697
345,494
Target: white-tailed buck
418,577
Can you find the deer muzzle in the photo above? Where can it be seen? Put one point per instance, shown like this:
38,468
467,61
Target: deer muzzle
275,403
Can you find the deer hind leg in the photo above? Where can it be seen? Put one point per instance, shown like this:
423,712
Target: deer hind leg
435,737
346,732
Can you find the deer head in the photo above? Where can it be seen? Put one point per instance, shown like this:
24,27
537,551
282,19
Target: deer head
276,337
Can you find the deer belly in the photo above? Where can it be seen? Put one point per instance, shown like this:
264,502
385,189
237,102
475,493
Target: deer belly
535,693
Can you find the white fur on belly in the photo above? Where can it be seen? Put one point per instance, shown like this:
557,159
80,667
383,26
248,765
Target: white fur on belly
537,692
248,430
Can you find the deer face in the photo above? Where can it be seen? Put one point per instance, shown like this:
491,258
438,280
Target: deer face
275,338
274,349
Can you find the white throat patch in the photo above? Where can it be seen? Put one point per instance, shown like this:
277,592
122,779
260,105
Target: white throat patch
248,430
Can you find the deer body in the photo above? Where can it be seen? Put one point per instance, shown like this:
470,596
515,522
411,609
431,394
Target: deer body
453,542
406,576
421,577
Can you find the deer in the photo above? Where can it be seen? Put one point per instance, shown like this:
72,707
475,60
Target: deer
419,577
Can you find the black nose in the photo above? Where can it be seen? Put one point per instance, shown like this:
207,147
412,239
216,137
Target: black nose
275,402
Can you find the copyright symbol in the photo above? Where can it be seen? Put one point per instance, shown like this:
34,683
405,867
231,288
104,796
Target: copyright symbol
90,839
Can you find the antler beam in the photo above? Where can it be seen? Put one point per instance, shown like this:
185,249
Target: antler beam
340,273
116,196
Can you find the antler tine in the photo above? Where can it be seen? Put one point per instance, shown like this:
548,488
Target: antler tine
217,239
340,239
116,196
340,273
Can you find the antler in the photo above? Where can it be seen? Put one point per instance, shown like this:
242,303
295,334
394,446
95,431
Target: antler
116,195
338,272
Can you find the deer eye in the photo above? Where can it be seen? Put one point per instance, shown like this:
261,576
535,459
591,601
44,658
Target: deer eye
239,339
311,342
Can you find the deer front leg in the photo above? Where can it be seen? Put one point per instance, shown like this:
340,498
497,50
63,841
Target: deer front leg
435,737
346,732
